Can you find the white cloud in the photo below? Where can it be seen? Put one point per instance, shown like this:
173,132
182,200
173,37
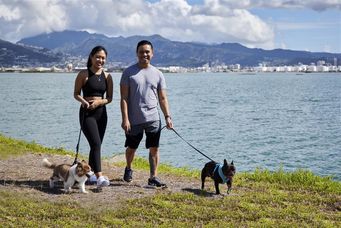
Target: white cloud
26,18
214,21
307,25
317,5
173,19
8,13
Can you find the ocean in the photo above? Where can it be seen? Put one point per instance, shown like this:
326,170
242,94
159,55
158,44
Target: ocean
267,120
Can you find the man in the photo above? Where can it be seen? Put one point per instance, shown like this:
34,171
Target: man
142,88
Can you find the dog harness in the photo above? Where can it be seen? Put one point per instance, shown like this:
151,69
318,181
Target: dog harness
219,170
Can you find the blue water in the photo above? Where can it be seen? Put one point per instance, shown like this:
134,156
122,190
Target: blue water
263,120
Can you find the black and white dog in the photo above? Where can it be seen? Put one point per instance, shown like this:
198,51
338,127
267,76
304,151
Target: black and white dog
220,173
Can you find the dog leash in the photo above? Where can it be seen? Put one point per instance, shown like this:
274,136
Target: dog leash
189,143
79,139
77,147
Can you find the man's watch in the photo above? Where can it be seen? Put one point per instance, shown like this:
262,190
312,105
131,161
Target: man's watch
168,116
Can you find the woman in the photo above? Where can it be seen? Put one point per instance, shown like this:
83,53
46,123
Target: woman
94,83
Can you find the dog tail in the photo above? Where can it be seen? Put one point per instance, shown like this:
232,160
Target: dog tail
48,164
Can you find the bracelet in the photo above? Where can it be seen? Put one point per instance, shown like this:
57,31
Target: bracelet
168,116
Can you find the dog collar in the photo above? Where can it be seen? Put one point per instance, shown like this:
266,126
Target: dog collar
219,168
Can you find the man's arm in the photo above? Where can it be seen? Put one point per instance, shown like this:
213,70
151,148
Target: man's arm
124,108
165,107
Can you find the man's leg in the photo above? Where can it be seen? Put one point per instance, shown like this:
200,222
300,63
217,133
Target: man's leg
128,172
132,143
152,142
153,161
130,154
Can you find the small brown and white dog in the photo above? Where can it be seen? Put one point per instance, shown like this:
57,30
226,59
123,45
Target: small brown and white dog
69,174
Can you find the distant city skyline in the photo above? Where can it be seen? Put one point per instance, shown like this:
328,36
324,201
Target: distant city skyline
308,25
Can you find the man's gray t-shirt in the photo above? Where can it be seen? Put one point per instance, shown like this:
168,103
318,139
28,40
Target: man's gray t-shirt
144,84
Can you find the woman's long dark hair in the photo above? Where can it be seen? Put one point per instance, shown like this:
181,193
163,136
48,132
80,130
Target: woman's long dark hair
93,52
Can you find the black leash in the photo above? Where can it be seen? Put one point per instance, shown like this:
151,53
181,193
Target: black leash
79,139
77,147
189,144
80,132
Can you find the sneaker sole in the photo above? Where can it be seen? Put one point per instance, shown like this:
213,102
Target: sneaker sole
103,185
156,187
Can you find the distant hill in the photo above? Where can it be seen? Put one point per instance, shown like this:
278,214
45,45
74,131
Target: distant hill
13,54
167,52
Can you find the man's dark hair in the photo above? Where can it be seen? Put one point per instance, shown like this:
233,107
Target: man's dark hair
143,42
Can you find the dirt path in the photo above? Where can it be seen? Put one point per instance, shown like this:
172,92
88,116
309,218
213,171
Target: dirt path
26,174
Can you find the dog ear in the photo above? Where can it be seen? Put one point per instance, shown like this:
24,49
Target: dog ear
225,162
232,162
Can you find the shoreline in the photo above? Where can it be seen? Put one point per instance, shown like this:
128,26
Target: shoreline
188,72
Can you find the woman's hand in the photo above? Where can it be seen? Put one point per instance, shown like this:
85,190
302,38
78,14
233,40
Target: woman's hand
93,104
85,104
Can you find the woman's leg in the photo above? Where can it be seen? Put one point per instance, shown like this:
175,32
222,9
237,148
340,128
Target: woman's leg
91,133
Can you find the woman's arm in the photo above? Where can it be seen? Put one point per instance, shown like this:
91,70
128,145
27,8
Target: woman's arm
78,87
110,89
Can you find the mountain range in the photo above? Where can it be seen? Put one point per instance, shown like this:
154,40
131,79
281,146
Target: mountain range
59,46
19,55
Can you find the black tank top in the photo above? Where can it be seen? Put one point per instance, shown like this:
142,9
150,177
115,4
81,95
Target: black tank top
95,86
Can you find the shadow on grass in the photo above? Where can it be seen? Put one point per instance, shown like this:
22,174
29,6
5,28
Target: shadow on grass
43,186
39,185
199,192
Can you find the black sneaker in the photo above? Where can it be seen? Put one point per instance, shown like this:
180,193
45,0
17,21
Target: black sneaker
156,182
128,175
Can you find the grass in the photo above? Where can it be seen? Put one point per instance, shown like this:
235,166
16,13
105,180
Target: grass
259,199
12,147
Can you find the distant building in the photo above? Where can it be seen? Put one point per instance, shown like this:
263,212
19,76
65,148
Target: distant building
321,63
69,67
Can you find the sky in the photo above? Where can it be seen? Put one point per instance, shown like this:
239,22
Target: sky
308,25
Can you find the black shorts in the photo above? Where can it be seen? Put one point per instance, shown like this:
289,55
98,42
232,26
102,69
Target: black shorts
152,130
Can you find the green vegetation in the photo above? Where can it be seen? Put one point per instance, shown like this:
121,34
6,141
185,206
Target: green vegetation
11,147
259,199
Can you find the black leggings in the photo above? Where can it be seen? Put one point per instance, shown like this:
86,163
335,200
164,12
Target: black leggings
93,124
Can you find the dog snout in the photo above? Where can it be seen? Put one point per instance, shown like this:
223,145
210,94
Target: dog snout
89,174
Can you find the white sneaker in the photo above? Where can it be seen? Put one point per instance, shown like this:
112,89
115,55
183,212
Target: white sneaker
103,181
92,179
